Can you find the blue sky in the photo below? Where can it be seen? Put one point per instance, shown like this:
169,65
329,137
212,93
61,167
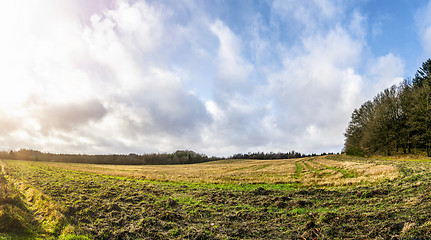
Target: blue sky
217,77
393,27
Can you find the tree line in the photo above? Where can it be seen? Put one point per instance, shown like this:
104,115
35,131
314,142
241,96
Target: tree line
396,121
265,156
178,157
272,155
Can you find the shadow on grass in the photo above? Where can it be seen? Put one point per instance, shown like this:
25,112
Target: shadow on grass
16,220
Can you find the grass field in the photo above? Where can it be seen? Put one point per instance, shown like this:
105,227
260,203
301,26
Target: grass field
306,172
332,197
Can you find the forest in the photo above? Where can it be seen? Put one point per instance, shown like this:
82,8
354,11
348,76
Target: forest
396,121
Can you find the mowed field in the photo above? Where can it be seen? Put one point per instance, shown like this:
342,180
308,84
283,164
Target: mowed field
331,197
306,172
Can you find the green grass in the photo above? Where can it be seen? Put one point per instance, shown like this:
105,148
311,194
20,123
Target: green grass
73,237
262,167
310,167
298,170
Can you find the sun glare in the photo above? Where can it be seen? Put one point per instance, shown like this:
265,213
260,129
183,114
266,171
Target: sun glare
13,97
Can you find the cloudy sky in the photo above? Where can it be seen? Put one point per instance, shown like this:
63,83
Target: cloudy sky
217,77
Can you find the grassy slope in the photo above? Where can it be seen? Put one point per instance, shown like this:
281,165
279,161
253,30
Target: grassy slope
120,206
27,213
15,219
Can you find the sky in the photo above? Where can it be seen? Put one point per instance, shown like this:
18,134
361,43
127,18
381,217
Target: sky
217,77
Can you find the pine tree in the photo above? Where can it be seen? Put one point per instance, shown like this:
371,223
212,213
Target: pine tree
423,75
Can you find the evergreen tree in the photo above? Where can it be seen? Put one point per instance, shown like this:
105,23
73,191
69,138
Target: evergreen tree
423,75
419,122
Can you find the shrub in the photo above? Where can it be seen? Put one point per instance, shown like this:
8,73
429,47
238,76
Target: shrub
355,151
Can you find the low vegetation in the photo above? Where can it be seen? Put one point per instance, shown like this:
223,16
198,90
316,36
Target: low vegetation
332,197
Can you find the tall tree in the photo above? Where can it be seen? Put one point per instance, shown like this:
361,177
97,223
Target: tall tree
419,121
358,126
398,117
405,98
381,135
423,75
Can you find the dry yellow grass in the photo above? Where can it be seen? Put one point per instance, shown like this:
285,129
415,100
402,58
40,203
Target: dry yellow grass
306,171
225,171
349,173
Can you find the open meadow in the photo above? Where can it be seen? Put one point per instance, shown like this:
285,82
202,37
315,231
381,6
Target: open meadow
331,197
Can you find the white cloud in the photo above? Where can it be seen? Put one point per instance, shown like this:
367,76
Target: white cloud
83,82
317,89
385,71
232,69
357,26
309,16
423,20
134,76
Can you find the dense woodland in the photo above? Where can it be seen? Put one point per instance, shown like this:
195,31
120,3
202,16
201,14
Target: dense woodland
396,121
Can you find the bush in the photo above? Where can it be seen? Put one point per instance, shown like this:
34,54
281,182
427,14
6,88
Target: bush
355,151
